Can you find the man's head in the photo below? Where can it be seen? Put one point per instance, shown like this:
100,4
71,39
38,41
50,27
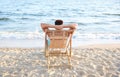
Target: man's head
58,22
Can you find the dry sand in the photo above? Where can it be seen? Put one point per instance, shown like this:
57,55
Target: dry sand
87,61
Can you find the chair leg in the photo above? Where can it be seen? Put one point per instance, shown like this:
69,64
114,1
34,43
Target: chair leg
69,61
48,62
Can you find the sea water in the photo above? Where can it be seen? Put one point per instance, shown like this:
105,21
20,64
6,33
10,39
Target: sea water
97,20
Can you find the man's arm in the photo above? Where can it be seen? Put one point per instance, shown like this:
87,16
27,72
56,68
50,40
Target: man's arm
45,26
71,26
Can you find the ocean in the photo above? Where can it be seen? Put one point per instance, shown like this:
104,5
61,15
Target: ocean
97,19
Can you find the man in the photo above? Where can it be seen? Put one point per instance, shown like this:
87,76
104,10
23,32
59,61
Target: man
58,26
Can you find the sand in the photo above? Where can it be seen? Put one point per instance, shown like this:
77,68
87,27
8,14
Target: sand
87,61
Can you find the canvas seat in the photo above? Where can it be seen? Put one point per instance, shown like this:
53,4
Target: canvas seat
60,44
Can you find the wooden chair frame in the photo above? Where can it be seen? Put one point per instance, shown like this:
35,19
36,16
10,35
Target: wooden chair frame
58,36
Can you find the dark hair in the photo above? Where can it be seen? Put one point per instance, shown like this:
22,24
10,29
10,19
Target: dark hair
58,22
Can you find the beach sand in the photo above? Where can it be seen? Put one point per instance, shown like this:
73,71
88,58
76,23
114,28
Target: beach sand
87,61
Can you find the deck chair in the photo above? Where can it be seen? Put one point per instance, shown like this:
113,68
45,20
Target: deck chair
60,44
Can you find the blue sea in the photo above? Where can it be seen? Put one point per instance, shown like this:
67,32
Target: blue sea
96,19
